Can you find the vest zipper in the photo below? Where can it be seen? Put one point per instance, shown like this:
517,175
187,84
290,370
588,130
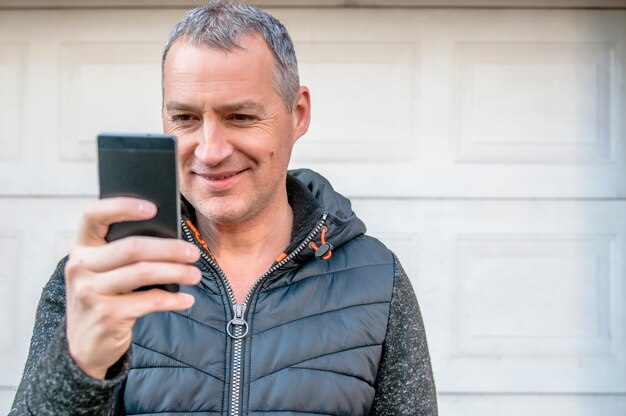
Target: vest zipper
237,328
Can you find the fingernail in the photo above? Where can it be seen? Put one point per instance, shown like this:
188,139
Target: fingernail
189,299
193,253
147,207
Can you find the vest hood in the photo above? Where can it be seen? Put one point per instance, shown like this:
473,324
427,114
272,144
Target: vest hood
315,197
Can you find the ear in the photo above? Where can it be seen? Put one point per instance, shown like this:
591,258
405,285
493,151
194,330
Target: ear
301,114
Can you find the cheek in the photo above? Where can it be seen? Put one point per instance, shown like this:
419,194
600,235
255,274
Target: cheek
185,148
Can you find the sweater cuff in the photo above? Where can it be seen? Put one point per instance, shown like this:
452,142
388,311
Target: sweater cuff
60,384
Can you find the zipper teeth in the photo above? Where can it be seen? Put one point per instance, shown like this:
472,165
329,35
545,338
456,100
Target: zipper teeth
209,259
237,356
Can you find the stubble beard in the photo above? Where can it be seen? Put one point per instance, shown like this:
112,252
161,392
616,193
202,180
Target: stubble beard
232,213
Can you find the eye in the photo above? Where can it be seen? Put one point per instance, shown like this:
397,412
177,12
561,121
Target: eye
182,117
242,117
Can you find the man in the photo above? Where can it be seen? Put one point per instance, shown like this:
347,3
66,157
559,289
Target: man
288,308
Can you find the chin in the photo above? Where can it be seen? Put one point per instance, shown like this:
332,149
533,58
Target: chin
219,213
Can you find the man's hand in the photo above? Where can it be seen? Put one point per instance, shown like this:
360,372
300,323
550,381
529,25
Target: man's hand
100,278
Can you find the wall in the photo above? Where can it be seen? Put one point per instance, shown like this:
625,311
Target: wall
484,144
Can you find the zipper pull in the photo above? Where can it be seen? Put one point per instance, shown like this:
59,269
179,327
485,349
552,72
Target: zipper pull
325,250
233,328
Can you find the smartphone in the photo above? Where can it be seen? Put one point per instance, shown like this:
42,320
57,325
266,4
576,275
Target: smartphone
142,166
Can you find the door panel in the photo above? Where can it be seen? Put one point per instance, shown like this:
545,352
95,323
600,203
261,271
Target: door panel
34,236
517,296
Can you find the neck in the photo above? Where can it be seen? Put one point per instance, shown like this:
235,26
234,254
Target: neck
267,234
246,250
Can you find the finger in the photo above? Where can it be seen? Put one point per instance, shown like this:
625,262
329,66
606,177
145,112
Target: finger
138,304
104,212
131,250
127,279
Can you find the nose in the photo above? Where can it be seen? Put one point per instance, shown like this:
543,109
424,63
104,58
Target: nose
213,144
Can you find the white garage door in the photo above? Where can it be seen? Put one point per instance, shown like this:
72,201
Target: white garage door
485,146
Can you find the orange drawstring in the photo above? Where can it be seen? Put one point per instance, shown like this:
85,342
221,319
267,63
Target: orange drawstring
325,250
197,234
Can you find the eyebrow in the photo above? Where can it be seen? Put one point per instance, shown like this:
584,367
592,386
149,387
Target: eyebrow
245,105
175,105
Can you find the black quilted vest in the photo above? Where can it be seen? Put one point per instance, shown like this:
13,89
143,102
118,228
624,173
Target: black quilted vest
314,337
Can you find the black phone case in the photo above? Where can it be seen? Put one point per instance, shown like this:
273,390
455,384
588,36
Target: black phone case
141,166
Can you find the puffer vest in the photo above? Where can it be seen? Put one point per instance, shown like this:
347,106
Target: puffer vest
312,345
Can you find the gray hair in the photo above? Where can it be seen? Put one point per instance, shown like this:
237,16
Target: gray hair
220,24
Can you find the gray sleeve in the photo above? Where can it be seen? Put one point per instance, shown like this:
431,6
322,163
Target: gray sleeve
52,384
404,384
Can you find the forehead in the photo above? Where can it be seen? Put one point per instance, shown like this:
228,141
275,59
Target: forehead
251,59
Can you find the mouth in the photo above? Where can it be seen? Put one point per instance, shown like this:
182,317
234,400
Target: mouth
220,181
220,176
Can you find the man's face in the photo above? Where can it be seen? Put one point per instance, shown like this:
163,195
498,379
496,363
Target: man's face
235,134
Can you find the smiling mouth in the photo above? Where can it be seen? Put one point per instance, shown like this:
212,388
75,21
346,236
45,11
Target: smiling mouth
219,176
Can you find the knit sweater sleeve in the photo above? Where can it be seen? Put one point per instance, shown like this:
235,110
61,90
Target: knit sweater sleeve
52,383
404,384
